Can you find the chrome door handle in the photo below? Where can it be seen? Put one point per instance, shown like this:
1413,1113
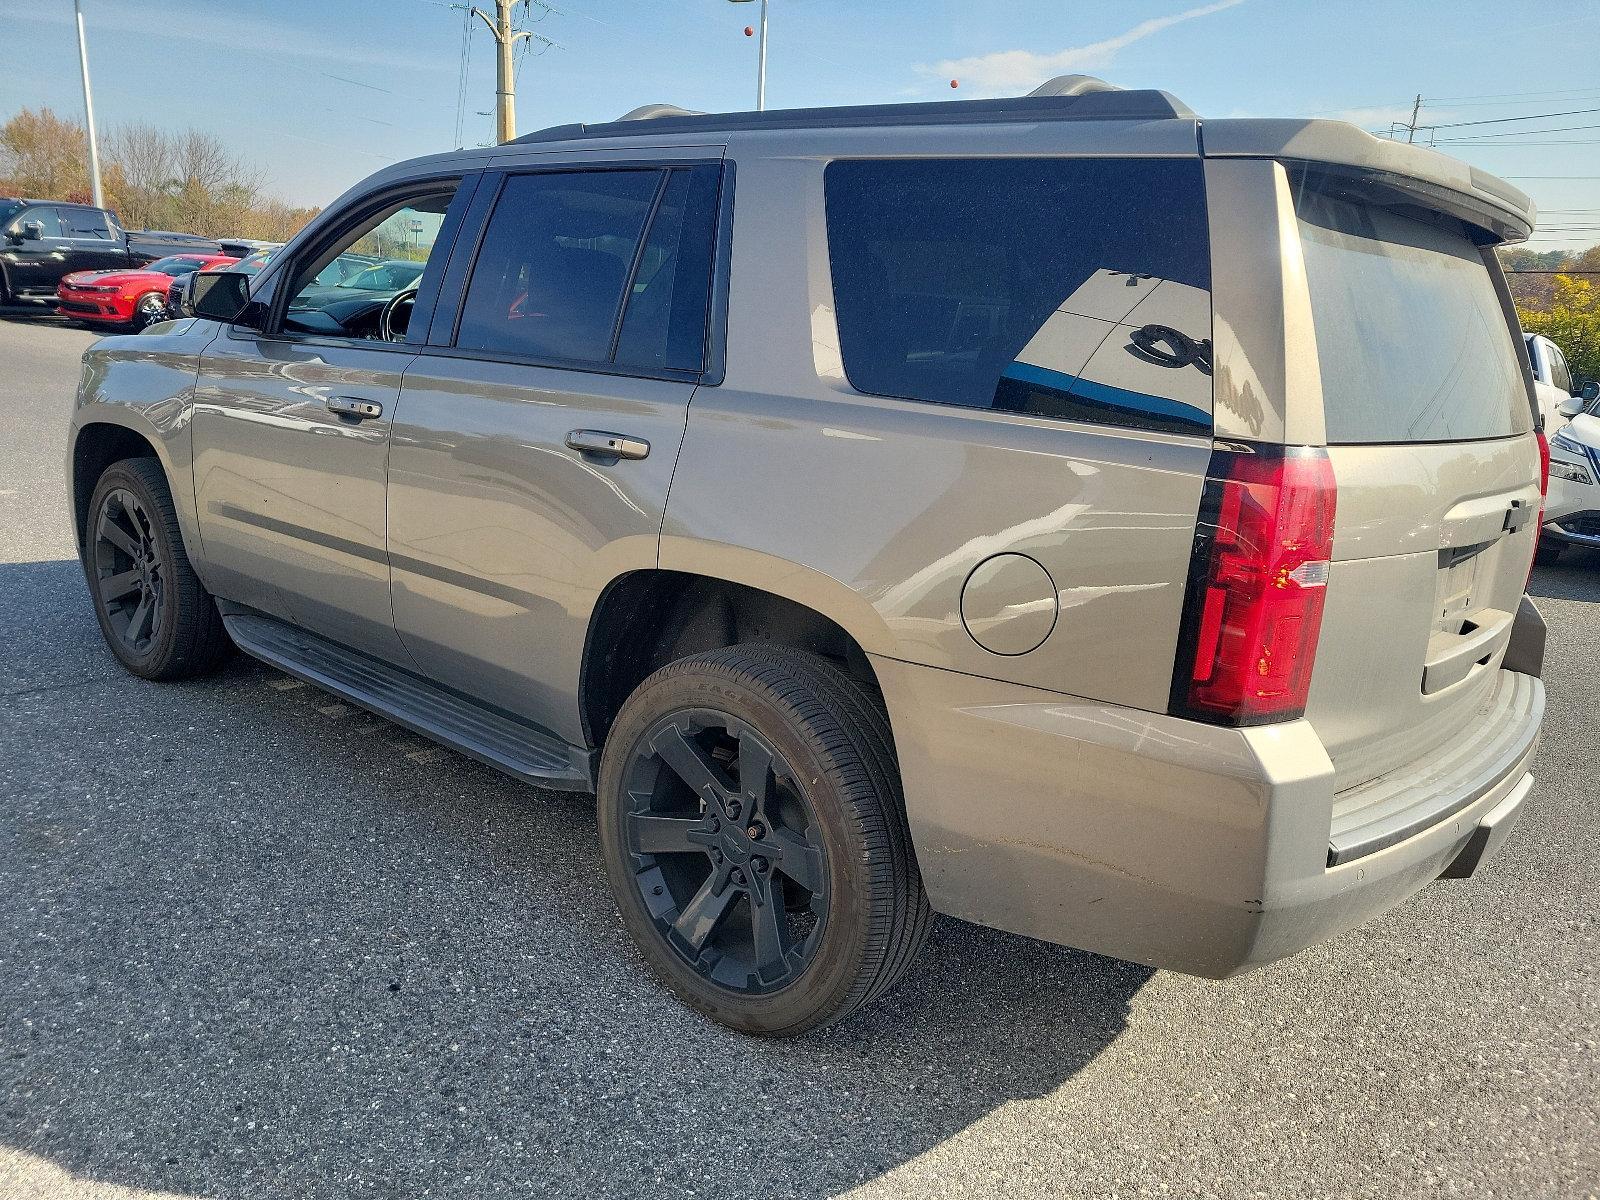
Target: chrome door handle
349,406
607,445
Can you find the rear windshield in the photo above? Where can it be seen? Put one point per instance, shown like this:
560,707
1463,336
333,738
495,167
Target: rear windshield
1412,340
1075,289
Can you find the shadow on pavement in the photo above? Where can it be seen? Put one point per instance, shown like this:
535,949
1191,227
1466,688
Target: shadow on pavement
254,942
1573,576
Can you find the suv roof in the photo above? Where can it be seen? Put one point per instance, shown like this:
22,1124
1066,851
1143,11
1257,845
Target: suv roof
1410,174
1064,98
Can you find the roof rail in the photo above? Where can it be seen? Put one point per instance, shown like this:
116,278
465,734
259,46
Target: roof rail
1065,98
650,112
1073,85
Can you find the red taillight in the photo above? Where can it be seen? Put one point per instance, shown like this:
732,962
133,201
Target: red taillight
1256,584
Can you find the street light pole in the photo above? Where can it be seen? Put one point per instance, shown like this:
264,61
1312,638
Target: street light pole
88,111
761,61
761,68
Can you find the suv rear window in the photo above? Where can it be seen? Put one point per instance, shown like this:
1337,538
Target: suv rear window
1412,341
1068,288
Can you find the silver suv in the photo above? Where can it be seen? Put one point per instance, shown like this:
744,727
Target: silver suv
1058,512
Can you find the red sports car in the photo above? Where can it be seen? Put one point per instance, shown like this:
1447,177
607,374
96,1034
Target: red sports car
130,297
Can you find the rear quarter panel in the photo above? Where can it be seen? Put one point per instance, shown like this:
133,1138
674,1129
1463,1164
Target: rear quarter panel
875,511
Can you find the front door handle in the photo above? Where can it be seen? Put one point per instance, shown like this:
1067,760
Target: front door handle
349,406
607,445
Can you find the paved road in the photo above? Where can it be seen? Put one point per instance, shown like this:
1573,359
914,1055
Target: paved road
254,943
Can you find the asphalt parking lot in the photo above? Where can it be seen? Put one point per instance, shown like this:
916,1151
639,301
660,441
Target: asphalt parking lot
256,943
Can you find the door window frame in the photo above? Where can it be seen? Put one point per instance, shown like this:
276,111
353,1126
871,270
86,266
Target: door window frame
271,303
446,312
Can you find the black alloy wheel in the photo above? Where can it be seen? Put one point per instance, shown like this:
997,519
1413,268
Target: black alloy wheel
755,837
727,856
156,615
128,573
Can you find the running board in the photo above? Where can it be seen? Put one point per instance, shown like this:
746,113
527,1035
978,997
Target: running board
517,747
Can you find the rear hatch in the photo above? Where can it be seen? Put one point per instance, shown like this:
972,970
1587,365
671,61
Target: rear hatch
1430,434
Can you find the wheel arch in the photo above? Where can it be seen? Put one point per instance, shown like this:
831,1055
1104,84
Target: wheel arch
647,618
96,445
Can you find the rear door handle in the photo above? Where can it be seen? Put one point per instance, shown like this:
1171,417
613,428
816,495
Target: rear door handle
607,445
349,406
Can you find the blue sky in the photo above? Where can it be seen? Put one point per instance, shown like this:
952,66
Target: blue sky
319,93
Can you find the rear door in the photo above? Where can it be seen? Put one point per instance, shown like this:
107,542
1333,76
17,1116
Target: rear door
538,430
91,245
1429,425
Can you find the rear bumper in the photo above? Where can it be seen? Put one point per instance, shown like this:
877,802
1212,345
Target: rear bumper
1167,842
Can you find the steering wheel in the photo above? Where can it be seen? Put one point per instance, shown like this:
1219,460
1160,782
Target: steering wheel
404,299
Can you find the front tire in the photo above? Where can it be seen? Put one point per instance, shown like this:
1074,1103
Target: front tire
755,838
1549,550
147,310
156,616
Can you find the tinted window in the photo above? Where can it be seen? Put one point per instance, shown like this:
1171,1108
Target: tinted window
665,325
1071,288
1412,341
84,223
46,217
555,259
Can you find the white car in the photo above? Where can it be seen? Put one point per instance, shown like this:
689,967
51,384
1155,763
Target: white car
1572,508
1552,381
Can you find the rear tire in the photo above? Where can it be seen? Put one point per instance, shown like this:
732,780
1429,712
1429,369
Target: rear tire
754,834
157,617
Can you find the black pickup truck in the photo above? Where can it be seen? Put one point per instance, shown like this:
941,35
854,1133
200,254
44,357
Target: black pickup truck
42,240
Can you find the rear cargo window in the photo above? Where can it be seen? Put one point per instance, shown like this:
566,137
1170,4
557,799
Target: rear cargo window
1069,288
1412,341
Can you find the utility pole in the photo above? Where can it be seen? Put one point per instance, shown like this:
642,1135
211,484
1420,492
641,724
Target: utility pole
88,111
1411,129
505,93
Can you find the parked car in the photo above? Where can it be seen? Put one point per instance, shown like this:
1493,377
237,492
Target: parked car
41,241
243,247
135,297
343,267
1572,513
382,279
922,544
1553,385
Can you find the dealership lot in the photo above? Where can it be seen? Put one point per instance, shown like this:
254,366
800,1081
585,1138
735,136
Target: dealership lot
254,942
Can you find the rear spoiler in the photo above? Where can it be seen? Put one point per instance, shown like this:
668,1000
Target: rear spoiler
1398,171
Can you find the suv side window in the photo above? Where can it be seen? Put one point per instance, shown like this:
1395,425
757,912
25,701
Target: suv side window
84,223
375,266
565,252
1068,288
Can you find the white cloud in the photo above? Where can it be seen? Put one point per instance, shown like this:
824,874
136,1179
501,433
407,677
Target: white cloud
1013,70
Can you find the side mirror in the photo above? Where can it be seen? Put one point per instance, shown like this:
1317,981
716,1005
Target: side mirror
1589,392
32,231
220,296
1571,406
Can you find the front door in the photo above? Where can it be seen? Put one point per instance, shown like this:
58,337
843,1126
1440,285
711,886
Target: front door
35,264
291,427
536,436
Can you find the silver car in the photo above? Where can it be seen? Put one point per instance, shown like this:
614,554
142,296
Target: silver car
1059,512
